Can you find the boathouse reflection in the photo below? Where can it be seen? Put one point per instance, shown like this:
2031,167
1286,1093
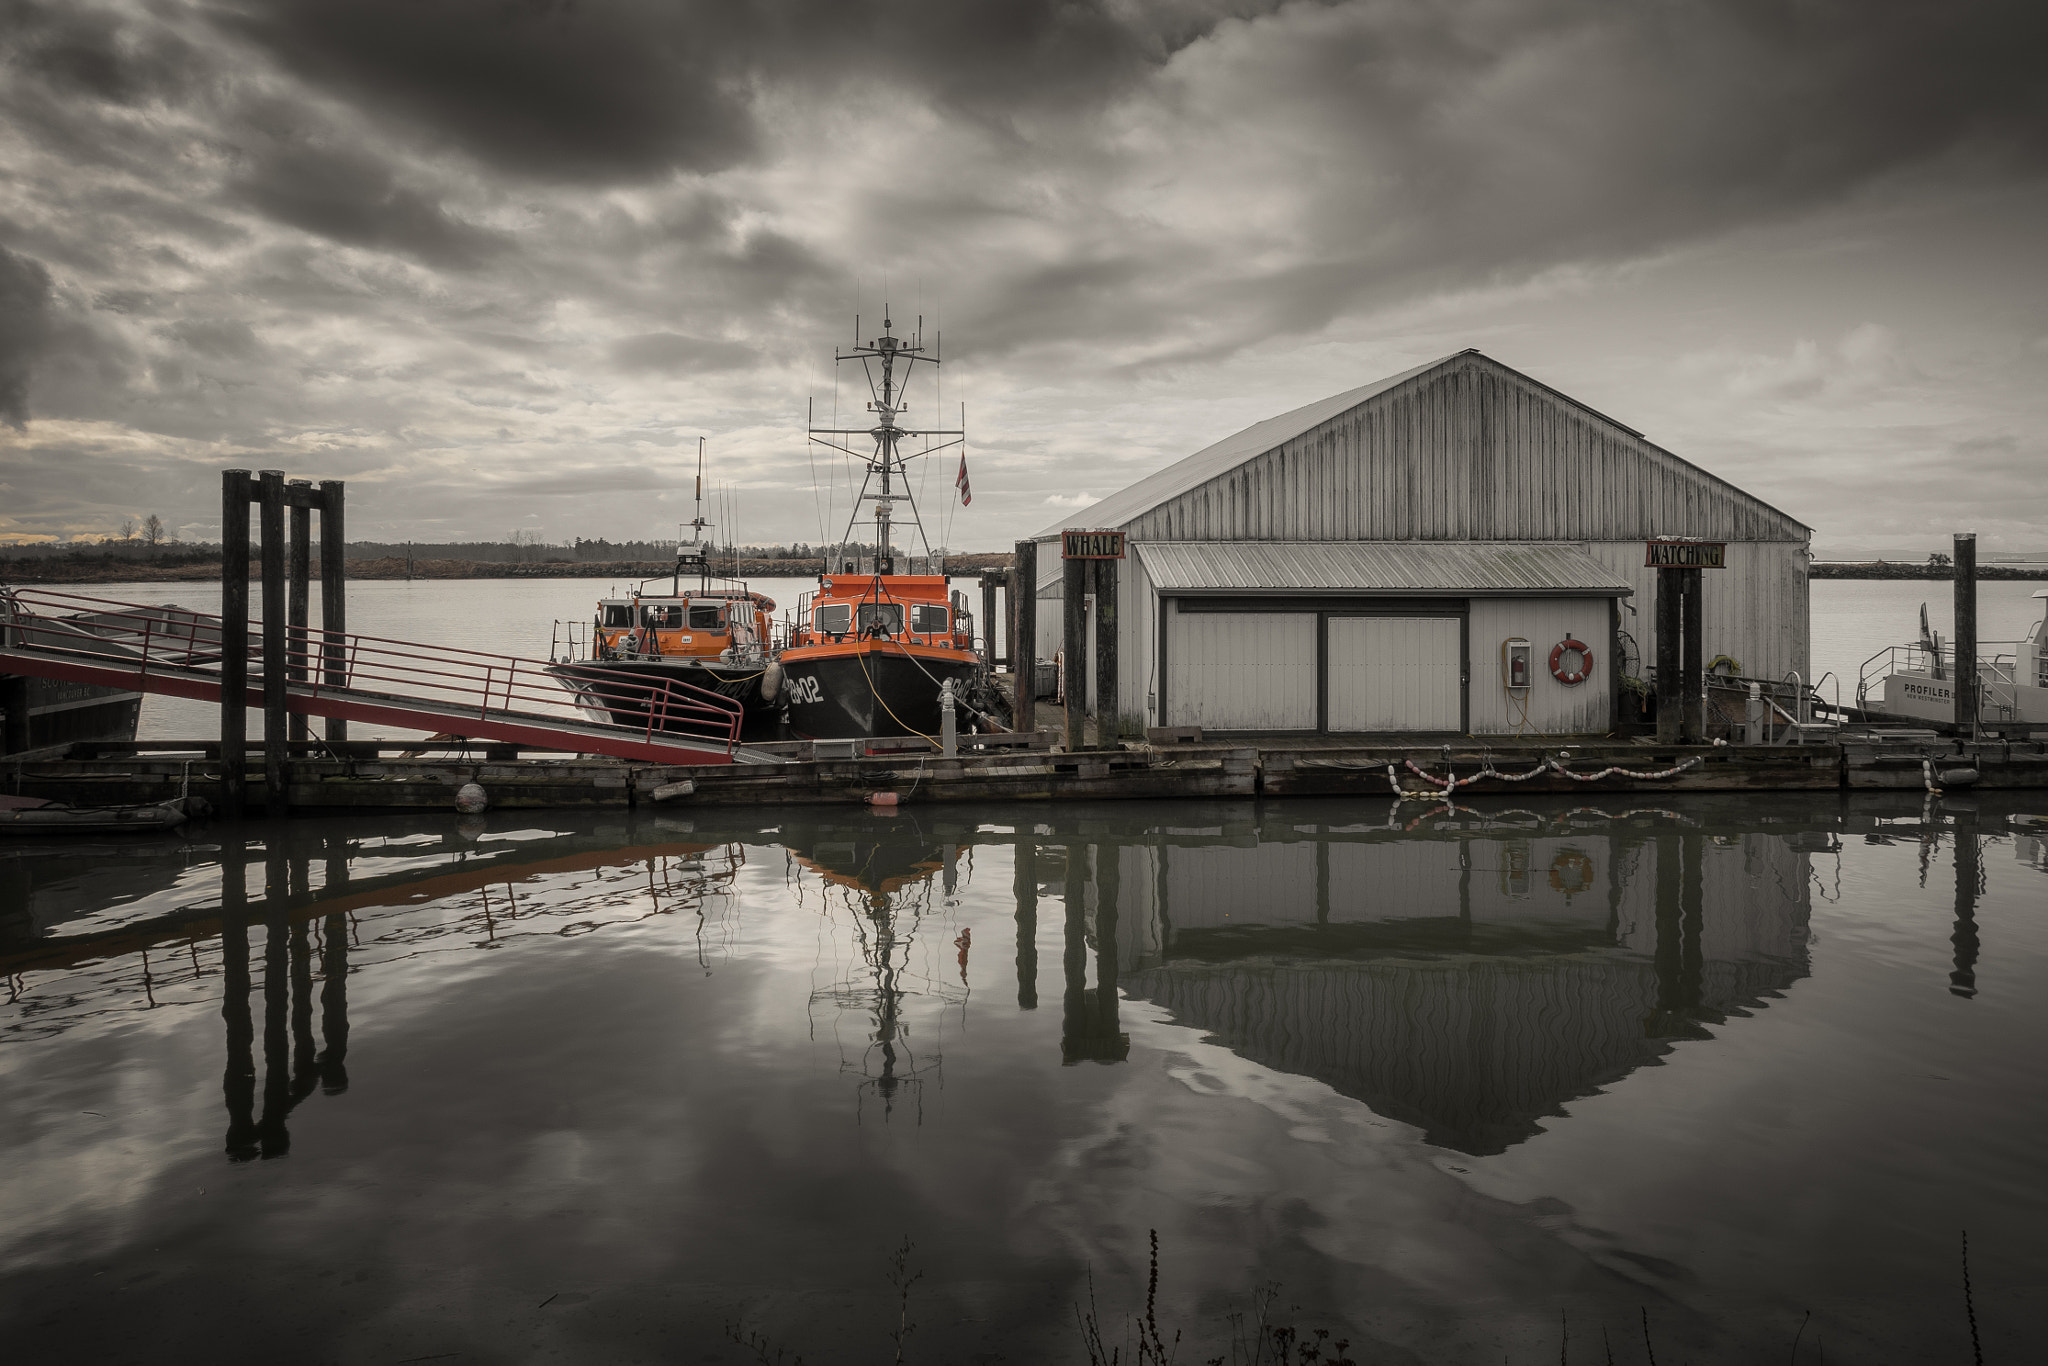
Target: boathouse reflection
1470,977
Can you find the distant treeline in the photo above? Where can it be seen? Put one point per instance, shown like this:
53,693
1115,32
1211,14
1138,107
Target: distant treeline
1883,569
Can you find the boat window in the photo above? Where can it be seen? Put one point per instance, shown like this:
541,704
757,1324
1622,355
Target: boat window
926,619
663,618
835,618
705,617
616,614
881,616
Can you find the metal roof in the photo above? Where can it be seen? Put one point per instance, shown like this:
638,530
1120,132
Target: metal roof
1415,568
1195,470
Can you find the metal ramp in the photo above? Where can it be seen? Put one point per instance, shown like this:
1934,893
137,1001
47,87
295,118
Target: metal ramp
377,681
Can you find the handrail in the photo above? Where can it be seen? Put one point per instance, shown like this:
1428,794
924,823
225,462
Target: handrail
477,682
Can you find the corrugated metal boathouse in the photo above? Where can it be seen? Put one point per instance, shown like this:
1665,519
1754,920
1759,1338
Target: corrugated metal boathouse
1359,565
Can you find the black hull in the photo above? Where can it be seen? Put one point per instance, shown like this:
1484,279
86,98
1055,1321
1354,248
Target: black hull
875,692
39,712
741,683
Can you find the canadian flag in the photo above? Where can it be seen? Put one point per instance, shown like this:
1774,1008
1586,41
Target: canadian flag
960,482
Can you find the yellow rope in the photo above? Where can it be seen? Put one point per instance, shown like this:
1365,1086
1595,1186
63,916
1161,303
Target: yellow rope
862,658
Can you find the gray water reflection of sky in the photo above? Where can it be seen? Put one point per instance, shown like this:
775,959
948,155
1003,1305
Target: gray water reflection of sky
590,1088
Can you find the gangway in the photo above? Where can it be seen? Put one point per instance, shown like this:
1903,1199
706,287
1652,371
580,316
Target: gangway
371,679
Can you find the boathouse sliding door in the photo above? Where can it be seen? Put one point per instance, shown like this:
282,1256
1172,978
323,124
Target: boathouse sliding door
1396,673
1241,670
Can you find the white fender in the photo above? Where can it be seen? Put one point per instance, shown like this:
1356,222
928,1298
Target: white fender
771,681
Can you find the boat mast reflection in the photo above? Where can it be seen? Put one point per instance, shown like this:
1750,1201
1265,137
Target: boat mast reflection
881,872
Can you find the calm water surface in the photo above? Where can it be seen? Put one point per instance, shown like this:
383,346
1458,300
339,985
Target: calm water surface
526,1088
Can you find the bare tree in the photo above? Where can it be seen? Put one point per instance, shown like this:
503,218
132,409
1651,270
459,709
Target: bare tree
153,531
127,528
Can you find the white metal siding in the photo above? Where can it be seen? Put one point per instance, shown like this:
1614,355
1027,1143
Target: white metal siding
1241,670
1394,673
1550,707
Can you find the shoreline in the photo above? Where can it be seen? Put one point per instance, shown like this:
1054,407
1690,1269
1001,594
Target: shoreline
389,568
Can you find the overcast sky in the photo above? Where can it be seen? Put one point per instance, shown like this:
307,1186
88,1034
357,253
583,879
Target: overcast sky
499,263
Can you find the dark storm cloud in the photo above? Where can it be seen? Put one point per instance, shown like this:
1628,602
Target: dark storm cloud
621,90
352,198
92,52
24,324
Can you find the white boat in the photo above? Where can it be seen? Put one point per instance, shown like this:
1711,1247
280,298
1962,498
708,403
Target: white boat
1918,680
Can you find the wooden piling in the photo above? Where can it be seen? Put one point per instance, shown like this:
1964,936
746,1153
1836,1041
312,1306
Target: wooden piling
1024,636
1074,586
1670,643
1967,710
270,512
298,572
333,597
1106,726
990,628
1692,671
234,640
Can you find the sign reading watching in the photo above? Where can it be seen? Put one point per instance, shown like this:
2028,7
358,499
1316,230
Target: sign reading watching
1686,554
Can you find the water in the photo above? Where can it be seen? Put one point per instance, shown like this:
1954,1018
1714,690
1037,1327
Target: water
1852,620
524,1087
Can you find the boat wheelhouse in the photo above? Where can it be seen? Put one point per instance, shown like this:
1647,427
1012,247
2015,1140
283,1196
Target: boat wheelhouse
715,635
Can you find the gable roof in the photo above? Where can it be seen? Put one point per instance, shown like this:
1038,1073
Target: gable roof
1193,471
1213,462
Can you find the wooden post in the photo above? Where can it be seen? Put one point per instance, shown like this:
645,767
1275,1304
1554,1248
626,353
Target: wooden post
1692,672
1010,619
1967,711
270,509
1106,697
1024,882
1024,636
1670,639
333,598
298,578
1074,585
990,629
234,642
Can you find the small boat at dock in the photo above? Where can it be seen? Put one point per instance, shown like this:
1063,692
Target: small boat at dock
1918,680
712,635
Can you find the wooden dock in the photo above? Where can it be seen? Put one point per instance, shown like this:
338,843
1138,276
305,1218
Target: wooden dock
362,775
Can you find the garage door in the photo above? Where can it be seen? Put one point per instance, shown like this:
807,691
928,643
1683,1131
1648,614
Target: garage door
1396,673
1241,670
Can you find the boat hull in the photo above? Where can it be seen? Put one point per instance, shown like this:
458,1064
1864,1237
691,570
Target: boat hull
1919,694
869,690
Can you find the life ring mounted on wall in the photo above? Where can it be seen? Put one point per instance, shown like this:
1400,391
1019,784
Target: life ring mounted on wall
1571,677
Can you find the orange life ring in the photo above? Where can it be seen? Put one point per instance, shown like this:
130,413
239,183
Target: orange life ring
1570,677
1571,873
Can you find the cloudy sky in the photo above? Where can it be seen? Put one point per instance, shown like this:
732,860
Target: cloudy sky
499,263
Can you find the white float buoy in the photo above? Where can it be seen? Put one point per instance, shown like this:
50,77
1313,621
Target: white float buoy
471,799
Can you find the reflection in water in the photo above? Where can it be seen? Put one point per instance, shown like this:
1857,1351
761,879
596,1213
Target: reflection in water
1962,981
1469,976
881,870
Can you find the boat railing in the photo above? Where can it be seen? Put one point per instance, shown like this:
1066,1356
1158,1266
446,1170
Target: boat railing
569,641
1999,672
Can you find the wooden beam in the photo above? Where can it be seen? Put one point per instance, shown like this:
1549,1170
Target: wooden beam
1967,711
1670,640
1692,672
298,589
234,640
1074,650
333,597
1106,698
1024,636
270,512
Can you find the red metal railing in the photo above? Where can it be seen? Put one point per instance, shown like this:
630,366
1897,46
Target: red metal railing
172,650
